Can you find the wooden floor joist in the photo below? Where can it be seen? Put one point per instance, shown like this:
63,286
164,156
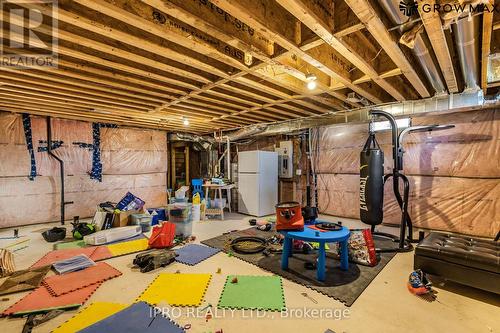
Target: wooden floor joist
222,64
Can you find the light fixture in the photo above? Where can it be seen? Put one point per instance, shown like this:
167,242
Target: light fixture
185,121
311,81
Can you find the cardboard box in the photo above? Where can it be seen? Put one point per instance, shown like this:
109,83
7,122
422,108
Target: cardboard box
122,218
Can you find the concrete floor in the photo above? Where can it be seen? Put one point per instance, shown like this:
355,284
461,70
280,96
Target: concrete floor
385,306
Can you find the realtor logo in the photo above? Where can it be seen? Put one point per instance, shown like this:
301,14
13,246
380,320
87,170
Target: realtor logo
28,33
408,8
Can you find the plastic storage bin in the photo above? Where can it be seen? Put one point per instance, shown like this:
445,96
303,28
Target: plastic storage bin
175,200
180,215
136,219
145,226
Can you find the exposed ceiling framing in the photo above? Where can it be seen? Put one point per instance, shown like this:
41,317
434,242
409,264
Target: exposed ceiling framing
222,64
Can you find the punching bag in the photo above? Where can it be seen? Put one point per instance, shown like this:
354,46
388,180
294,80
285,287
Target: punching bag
371,182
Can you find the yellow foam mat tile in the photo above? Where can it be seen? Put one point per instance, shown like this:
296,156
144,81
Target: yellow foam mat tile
177,289
89,316
122,248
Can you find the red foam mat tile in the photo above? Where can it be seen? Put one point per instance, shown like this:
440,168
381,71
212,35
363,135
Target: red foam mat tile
40,299
101,253
94,253
58,285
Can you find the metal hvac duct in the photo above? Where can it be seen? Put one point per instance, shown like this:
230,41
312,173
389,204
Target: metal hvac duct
244,132
420,50
466,31
204,141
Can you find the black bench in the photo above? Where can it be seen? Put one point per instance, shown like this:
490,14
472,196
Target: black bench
470,261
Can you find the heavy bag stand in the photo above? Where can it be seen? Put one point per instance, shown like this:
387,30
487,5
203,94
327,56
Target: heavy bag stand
404,241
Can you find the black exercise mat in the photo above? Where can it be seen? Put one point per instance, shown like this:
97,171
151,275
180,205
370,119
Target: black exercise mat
345,286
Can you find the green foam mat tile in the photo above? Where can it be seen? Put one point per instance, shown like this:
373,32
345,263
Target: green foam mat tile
70,245
253,292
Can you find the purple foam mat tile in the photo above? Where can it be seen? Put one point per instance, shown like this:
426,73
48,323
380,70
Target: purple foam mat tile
193,254
139,317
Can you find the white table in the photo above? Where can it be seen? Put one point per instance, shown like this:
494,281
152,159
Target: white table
218,190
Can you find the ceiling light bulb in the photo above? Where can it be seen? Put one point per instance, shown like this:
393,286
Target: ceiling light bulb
311,85
311,81
185,121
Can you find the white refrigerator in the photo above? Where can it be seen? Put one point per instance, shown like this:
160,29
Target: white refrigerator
257,182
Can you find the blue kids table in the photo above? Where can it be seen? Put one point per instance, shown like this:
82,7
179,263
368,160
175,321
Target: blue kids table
321,237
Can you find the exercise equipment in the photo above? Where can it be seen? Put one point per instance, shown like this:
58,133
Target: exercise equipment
289,216
372,181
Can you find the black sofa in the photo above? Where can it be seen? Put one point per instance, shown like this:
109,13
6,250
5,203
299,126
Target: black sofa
466,260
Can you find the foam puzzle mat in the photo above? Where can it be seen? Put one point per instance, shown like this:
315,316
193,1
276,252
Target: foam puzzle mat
70,245
136,318
41,300
90,315
189,289
95,253
253,292
193,254
23,280
118,249
58,285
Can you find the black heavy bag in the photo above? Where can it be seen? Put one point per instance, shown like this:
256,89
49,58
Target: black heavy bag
371,182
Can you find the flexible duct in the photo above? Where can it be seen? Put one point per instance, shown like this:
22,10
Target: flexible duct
420,50
205,141
244,133
466,31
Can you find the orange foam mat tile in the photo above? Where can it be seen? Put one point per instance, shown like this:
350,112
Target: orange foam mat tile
58,285
41,300
94,253
101,253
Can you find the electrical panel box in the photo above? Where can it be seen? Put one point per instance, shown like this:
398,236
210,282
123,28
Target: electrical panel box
285,159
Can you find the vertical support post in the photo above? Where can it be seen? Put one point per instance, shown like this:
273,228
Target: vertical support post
61,169
228,159
186,158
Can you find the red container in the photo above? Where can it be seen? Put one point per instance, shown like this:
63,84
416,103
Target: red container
289,216
162,236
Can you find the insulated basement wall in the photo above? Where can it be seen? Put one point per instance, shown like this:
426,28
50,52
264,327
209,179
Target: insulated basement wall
454,174
132,160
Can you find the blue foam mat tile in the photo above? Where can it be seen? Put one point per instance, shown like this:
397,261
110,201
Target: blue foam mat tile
139,317
193,254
